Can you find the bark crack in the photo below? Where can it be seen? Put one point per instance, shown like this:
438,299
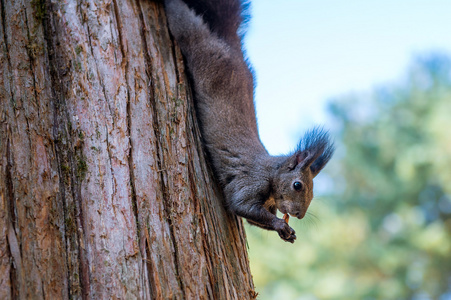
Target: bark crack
128,109
66,211
110,159
100,77
131,165
65,154
147,60
16,272
8,58
31,60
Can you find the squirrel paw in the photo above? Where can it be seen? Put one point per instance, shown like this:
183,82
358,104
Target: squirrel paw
286,233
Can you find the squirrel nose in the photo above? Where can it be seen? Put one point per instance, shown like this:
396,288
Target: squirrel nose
300,215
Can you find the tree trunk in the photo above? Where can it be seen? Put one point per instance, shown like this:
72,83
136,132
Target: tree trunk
104,189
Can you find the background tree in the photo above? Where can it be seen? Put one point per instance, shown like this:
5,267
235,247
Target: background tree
104,189
384,230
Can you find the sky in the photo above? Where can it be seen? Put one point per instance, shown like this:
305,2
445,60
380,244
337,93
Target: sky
305,52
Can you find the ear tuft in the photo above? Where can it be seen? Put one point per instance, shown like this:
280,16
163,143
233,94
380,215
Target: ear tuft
316,149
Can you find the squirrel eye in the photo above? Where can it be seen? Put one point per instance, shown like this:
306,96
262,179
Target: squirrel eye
297,186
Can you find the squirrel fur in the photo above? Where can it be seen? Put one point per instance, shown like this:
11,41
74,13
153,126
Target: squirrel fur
255,184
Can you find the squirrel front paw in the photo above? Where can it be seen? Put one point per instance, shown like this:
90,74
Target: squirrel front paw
286,233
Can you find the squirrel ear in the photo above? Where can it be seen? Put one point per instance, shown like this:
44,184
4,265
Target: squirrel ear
317,166
314,151
322,160
301,156
295,159
307,158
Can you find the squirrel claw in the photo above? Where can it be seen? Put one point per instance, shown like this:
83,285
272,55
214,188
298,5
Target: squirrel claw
290,239
285,232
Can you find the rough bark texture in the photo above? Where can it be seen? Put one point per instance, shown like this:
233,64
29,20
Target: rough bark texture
104,188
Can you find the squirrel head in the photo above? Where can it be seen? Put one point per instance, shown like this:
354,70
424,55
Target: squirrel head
292,188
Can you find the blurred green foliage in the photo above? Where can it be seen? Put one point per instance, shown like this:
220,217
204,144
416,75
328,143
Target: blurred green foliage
384,229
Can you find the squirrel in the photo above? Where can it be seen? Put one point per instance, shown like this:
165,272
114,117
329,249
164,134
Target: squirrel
255,184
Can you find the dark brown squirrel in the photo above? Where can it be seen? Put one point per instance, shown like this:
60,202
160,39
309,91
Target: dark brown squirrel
255,184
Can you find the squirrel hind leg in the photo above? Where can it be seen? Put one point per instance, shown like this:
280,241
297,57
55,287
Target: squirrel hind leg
183,22
199,45
223,17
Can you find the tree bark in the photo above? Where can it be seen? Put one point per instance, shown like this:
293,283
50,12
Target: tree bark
104,188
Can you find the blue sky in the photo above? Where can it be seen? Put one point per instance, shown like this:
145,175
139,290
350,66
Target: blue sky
306,51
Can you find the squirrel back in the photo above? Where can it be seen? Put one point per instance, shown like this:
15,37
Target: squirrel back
255,184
